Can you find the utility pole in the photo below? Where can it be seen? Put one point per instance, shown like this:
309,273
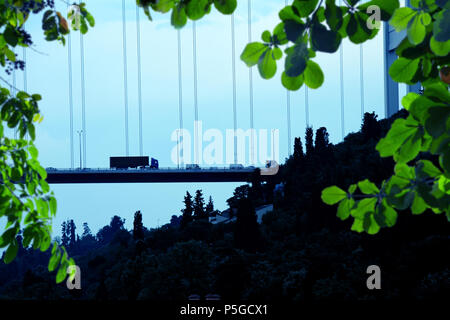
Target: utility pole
79,135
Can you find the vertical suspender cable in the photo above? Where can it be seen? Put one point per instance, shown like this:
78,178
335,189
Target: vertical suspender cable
69,59
25,80
341,52
180,93
233,66
125,76
14,92
250,75
361,67
306,106
196,133
288,114
138,44
83,98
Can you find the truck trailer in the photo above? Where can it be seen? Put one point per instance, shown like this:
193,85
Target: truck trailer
128,162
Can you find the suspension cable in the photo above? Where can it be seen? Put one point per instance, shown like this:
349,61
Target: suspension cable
194,46
288,112
25,80
250,75
125,76
233,67
138,44
69,59
341,51
361,69
83,97
180,95
341,64
306,106
14,91
362,79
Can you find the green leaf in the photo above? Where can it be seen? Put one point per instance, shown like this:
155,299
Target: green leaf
196,9
403,70
295,63
333,195
54,261
313,75
163,6
368,187
441,27
292,83
333,15
416,31
364,206
370,225
440,48
53,205
252,53
305,7
436,123
266,36
10,36
409,99
90,19
267,65
225,6
178,17
358,225
401,18
62,273
11,252
323,39
418,206
344,208
294,30
287,13
389,213
277,53
33,152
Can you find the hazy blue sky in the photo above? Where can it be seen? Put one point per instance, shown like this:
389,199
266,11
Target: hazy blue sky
96,204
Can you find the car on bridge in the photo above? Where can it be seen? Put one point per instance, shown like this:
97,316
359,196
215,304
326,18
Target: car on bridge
192,167
236,166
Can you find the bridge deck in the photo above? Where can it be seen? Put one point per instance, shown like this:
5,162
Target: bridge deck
71,176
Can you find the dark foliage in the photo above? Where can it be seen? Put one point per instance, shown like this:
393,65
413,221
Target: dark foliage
301,251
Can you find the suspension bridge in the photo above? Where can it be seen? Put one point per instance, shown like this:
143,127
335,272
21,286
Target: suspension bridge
181,173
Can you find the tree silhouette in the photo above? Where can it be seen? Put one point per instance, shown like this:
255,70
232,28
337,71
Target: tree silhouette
86,231
298,150
64,234
72,234
187,211
209,207
138,227
309,141
322,140
106,234
370,127
246,232
199,206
